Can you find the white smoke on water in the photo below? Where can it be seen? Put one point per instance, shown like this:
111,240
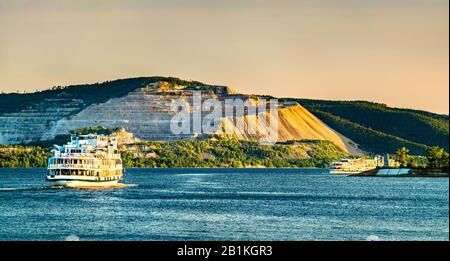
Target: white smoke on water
372,238
72,238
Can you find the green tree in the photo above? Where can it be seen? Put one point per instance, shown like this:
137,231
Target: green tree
402,156
437,157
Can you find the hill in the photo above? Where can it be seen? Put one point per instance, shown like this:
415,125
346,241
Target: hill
86,93
142,106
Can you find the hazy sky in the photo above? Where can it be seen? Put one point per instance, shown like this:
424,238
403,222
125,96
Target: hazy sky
394,52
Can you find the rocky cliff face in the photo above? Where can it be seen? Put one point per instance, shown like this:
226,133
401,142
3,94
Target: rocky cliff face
146,112
32,123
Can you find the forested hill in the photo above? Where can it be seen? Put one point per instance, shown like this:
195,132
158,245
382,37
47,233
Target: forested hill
375,127
378,128
87,93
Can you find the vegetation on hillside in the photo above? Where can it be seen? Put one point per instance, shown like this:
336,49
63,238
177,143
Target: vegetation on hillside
405,124
437,158
402,157
226,152
417,161
23,157
210,152
402,126
369,139
95,129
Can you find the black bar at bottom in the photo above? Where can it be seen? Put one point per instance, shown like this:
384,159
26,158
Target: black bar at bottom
223,250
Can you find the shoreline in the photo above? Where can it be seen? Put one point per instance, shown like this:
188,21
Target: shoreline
422,172
256,167
425,173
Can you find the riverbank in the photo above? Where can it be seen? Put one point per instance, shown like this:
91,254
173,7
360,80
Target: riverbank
217,152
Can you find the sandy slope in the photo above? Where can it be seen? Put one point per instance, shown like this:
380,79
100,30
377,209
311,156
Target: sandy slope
297,123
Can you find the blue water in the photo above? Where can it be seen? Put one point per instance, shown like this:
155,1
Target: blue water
226,204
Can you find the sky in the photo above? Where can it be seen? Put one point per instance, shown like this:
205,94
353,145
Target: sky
393,52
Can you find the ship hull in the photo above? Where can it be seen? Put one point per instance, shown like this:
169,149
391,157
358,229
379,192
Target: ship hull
82,182
343,172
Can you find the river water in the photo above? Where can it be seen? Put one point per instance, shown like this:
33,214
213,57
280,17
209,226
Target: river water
225,204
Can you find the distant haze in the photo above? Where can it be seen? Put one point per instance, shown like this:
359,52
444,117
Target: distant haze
394,52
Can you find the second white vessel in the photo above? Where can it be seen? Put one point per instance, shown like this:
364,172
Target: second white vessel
354,166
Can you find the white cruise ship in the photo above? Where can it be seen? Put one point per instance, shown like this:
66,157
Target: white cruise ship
86,161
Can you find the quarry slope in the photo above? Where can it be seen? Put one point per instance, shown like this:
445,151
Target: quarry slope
295,123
